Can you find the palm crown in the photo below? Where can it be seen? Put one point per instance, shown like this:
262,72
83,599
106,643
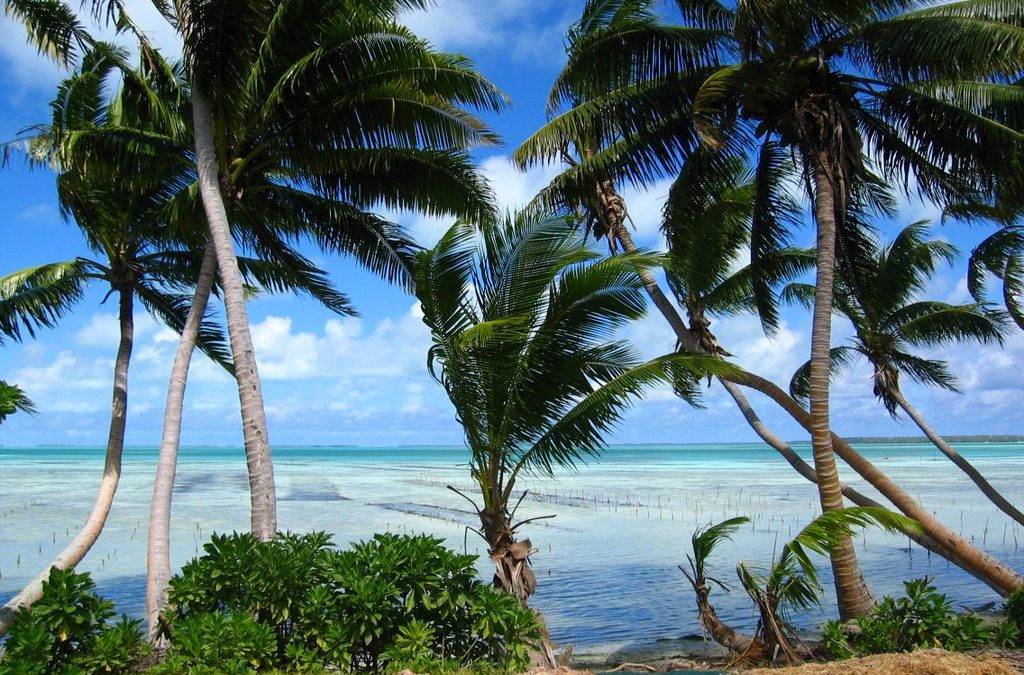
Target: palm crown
524,321
879,299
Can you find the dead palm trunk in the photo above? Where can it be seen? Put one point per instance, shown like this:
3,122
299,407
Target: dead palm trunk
158,554
90,532
948,543
262,494
853,595
807,471
958,550
950,452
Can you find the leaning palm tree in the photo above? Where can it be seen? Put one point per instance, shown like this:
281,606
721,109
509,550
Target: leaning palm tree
12,400
319,109
815,88
126,231
878,298
523,320
130,205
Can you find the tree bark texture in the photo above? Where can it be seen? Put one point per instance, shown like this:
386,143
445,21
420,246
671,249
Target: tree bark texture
158,552
90,532
262,493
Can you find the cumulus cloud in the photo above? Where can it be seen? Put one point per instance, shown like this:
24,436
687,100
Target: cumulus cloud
526,31
32,72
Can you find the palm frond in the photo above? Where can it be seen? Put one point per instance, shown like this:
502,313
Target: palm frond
37,297
840,360
172,310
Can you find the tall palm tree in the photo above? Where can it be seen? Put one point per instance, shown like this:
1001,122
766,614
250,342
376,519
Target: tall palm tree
523,320
121,219
318,102
131,206
888,322
12,400
815,87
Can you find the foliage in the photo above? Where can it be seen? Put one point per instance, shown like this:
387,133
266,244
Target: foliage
12,400
790,581
877,293
1010,632
923,619
68,630
295,602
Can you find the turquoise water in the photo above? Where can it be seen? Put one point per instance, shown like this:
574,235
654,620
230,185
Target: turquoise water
607,563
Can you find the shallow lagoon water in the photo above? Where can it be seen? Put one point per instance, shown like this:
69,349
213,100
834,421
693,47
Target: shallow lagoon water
607,563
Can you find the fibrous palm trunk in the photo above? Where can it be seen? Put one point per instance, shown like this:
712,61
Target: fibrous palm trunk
262,494
512,571
90,532
158,554
853,595
950,452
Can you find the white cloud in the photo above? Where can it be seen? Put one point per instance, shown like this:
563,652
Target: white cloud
32,72
523,30
395,348
101,331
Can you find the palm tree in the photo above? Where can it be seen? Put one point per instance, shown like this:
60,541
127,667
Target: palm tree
12,400
815,87
523,322
878,299
789,583
121,219
300,105
132,208
1000,255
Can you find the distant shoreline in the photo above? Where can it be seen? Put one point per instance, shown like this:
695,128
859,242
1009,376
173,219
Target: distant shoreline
896,440
862,440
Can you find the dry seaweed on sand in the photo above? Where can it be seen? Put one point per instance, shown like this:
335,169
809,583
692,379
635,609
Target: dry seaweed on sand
925,662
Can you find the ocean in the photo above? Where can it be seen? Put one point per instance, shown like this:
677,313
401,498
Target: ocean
607,563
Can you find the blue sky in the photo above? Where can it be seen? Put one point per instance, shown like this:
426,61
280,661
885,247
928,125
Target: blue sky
332,380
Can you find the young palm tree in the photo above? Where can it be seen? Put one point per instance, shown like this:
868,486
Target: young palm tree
789,583
523,320
818,84
878,299
307,104
12,400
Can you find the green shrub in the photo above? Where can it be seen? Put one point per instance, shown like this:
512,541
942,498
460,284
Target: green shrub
921,620
295,602
68,630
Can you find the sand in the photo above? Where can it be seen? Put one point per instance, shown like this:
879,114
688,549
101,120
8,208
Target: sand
926,662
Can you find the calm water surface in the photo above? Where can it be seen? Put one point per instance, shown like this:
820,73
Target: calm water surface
607,564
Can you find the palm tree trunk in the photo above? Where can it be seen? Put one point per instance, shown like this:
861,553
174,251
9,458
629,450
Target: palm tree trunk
90,532
805,470
852,592
512,571
948,543
853,595
958,550
158,554
949,451
748,647
250,394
